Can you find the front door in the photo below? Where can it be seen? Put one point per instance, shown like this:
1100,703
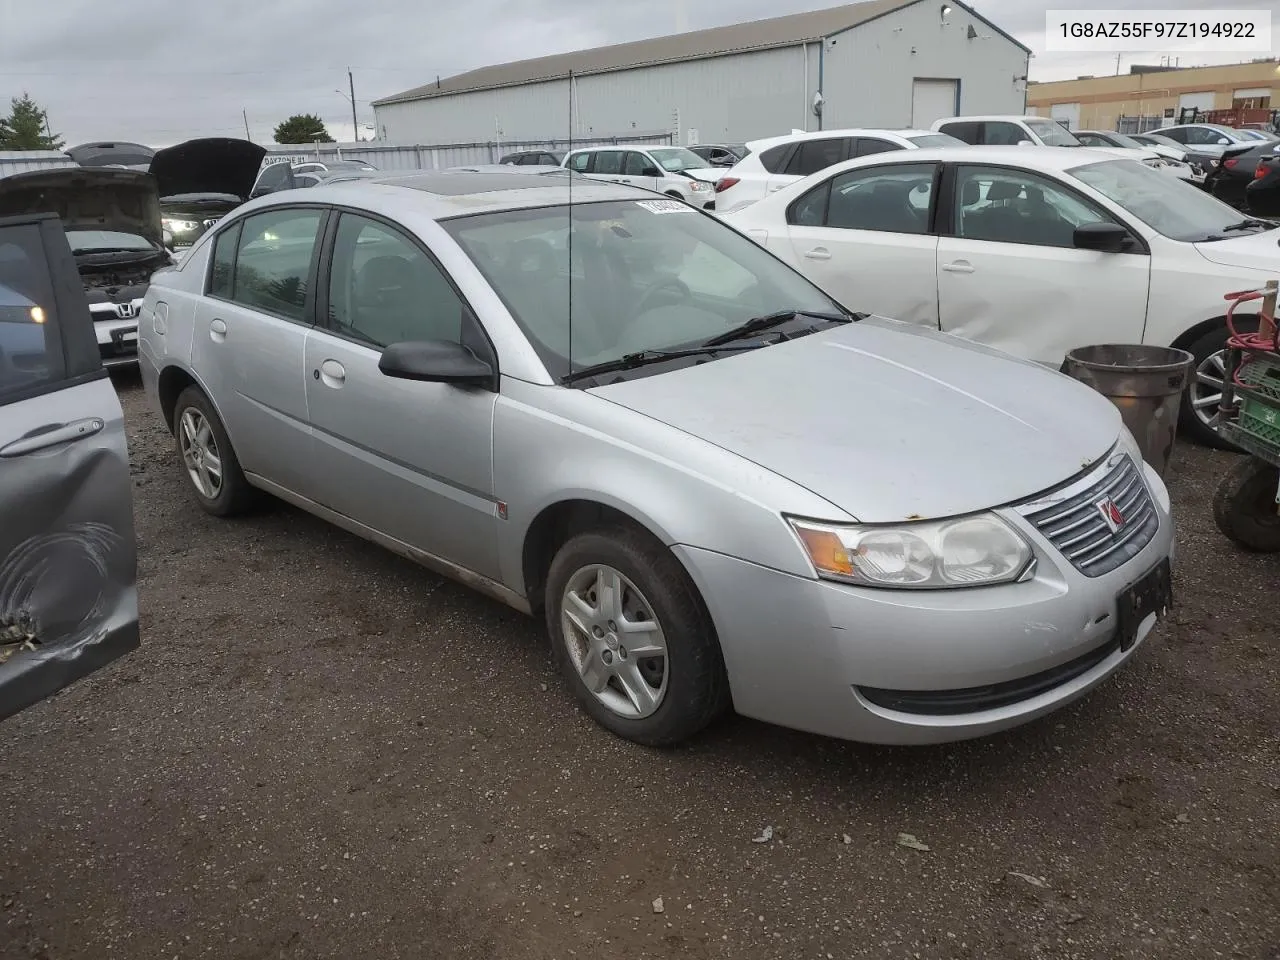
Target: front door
1009,274
68,566
410,460
250,331
864,236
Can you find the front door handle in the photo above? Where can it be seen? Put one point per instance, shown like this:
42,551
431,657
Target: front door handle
331,373
52,435
958,266
818,253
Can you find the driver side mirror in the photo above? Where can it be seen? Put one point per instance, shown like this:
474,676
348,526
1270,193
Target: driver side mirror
651,172
436,361
166,237
1102,237
1223,141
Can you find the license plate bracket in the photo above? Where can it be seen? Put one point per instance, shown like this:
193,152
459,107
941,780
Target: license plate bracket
1152,593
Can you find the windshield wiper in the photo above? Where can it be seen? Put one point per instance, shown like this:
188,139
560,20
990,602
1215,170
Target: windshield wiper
756,324
642,358
1248,224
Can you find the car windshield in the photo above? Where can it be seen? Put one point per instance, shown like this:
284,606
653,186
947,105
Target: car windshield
1175,209
103,241
1120,140
676,159
644,275
936,140
1053,134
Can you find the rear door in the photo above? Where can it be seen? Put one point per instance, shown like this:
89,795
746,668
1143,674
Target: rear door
68,567
865,236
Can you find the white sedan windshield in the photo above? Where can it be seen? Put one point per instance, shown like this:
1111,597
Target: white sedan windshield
1177,210
643,275
1053,134
676,159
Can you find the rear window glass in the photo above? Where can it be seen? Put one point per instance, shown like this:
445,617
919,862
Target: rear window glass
773,158
30,347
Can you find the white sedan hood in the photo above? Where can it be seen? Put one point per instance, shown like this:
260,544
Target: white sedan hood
1259,251
887,421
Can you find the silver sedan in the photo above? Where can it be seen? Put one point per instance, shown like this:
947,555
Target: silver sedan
718,486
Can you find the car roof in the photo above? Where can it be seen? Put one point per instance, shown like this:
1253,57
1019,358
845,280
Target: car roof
994,116
440,194
755,146
1032,156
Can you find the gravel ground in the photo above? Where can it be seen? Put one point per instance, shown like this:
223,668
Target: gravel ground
323,751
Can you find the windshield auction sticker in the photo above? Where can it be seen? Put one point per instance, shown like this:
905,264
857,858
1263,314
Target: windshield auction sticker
665,206
1158,31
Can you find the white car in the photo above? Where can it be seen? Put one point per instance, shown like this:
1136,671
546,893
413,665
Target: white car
1033,250
1177,159
778,162
1003,131
675,171
1207,138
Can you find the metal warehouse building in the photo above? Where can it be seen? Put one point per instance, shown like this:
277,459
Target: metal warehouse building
883,63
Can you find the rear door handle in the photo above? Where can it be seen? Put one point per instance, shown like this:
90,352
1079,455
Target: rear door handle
52,435
818,253
331,372
958,266
218,329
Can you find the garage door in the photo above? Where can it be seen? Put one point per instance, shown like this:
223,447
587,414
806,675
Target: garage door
1068,113
933,100
1201,101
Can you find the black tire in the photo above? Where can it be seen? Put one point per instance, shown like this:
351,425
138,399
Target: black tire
1192,427
697,690
1244,506
234,495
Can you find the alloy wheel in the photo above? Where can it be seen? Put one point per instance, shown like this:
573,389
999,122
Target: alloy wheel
200,453
614,641
1206,389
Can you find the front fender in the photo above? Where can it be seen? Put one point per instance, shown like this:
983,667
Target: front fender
553,444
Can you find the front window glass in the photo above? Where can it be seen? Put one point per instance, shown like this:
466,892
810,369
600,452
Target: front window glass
643,275
1052,133
1178,210
1000,205
676,159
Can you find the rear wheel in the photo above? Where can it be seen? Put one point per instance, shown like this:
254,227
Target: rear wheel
207,458
632,637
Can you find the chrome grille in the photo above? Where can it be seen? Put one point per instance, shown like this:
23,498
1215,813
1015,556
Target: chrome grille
1073,519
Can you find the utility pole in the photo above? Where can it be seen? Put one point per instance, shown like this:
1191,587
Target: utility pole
355,126
1118,64
245,113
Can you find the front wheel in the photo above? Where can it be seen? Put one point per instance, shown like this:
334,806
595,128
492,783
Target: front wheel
1245,508
632,638
1198,416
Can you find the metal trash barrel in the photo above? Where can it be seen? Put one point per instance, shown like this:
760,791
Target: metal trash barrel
1146,385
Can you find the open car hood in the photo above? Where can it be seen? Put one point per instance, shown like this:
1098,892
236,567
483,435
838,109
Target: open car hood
208,165
92,198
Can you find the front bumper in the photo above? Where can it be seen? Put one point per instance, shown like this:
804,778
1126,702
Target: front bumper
800,651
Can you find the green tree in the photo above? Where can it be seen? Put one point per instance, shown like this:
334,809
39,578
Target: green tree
26,127
302,128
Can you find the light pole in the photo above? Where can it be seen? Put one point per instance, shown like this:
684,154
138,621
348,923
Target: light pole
355,124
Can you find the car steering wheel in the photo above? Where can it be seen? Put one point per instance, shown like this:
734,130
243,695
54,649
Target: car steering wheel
666,283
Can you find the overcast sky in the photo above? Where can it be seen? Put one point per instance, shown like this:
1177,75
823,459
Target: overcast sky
160,71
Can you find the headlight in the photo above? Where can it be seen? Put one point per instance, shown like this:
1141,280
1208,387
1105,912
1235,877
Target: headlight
179,226
699,185
969,552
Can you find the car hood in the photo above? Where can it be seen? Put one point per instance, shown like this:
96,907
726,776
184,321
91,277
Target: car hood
1261,251
87,198
208,165
887,421
709,174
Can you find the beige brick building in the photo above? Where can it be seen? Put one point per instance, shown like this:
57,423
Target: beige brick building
1150,97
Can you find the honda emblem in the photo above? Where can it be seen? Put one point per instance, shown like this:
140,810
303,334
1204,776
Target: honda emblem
1111,514
126,311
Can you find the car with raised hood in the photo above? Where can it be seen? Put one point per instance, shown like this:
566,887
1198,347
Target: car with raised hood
716,485
68,566
202,180
777,162
112,221
112,153
670,170
1032,250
